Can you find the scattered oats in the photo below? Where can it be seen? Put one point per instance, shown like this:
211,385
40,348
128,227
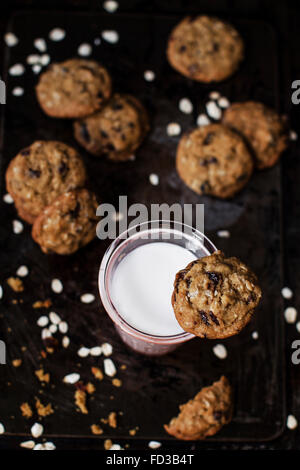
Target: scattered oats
255,335
53,329
63,327
214,95
154,444
43,321
54,318
46,333
149,75
1,292
65,341
84,49
107,349
290,314
40,44
109,368
110,6
186,106
16,70
57,34
87,298
213,110
202,120
223,233
173,128
71,378
22,271
11,39
27,444
293,135
45,446
220,351
96,429
36,68
110,36
17,91
116,447
33,59
56,286
154,179
96,351
83,352
45,59
2,429
223,102
17,227
8,199
291,422
286,293
37,430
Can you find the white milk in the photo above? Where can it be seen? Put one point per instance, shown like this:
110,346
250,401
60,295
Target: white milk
142,287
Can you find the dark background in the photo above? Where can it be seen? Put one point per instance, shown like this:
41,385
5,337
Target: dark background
284,17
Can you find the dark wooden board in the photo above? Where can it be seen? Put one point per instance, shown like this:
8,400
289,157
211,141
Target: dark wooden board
152,388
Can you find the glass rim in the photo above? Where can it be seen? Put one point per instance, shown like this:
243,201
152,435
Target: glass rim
117,245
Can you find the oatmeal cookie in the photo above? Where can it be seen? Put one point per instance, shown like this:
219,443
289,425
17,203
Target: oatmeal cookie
116,131
67,224
73,89
40,173
214,160
215,297
264,129
205,414
205,48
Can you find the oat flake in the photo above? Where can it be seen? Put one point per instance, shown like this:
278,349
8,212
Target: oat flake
16,70
43,321
53,329
110,36
40,44
214,95
27,444
286,293
71,378
154,444
173,128
1,292
57,34
107,349
220,351
110,6
87,298
8,199
56,286
154,179
54,318
96,351
17,227
2,429
185,106
37,430
223,233
213,110
66,341
36,68
223,102
202,120
22,271
109,368
255,335
33,59
83,352
290,314
17,91
291,422
45,59
293,135
63,327
84,50
149,75
11,39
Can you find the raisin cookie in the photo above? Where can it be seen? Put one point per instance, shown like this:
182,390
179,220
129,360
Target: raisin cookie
116,131
67,224
214,160
73,89
205,414
40,173
205,48
264,129
215,297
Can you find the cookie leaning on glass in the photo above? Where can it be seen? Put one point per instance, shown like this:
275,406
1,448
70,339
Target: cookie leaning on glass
215,297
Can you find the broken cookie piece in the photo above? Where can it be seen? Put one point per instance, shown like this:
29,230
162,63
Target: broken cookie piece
215,297
205,414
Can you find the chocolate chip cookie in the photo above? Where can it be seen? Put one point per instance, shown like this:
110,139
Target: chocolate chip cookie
214,160
215,297
205,414
264,129
205,48
73,89
40,173
68,223
116,131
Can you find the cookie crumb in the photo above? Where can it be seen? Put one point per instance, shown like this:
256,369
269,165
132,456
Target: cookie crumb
117,382
95,428
80,400
97,373
57,34
17,362
107,444
43,410
42,376
26,410
15,284
42,303
112,419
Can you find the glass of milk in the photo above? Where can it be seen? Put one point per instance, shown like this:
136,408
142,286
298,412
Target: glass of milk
136,279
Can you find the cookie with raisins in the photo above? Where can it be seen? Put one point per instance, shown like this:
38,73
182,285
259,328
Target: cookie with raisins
215,297
73,89
40,173
68,223
116,131
265,131
214,160
205,49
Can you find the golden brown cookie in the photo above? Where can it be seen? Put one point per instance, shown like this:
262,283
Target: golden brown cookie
214,160
40,173
215,297
205,48
73,89
68,223
205,414
264,129
116,131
